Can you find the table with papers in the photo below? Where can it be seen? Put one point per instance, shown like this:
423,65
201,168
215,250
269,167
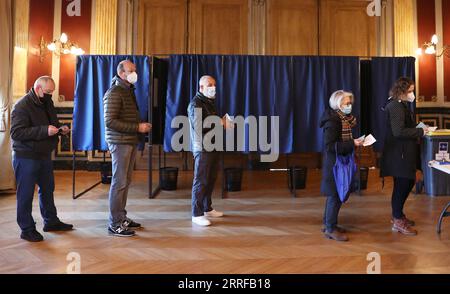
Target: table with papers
445,213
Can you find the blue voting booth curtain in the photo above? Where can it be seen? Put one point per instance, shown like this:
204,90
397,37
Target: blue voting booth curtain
296,89
93,78
384,72
315,79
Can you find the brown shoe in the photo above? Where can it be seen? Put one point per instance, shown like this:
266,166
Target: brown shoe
401,226
336,235
410,223
338,228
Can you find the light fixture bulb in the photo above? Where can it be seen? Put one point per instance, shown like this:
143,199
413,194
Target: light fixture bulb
434,39
430,50
51,46
419,51
64,38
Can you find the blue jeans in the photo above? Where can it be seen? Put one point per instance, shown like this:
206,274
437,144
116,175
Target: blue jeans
205,175
123,159
28,173
330,216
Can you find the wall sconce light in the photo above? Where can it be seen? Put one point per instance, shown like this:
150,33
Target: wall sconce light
430,48
64,46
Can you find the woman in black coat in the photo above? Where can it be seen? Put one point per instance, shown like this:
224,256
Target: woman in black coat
336,123
400,150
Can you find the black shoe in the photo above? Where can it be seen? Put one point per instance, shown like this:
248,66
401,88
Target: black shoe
59,226
132,224
32,236
121,231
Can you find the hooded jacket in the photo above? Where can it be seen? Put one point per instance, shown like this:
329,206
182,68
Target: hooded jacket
331,124
30,119
401,148
121,114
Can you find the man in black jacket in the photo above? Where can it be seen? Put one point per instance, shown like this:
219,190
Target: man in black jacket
34,134
206,162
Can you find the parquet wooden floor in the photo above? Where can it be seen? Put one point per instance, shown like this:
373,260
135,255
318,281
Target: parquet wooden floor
264,231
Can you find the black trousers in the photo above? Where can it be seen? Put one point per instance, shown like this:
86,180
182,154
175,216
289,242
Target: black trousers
402,188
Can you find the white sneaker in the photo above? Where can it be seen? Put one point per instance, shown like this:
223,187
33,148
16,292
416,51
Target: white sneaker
201,221
214,213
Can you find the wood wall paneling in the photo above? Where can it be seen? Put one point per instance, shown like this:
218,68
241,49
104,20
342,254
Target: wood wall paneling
346,29
105,27
78,29
426,26
404,30
162,27
21,24
218,27
40,25
446,40
292,27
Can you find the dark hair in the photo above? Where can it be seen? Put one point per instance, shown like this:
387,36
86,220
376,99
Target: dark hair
401,87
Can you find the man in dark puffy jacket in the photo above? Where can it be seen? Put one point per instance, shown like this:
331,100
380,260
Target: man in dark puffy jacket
34,134
123,126
206,162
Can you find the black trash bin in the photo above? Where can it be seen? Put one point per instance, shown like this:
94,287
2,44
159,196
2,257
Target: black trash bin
106,172
363,177
233,179
168,177
300,177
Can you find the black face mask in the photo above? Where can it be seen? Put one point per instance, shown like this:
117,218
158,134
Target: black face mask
47,97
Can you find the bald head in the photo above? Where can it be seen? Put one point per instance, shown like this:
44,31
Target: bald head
206,84
44,86
125,68
206,81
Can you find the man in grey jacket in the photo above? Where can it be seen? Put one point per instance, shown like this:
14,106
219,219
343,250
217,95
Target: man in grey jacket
123,126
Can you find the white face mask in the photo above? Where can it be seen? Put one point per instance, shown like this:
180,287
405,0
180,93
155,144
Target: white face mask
410,97
132,78
210,92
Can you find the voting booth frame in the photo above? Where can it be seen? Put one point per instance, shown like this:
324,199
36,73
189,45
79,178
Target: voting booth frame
155,101
157,106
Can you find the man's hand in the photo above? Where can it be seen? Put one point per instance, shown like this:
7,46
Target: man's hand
52,130
227,124
64,130
144,128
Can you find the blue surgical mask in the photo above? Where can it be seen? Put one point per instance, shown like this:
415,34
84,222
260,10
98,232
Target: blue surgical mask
347,109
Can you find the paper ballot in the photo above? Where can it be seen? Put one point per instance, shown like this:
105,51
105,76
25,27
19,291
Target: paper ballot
421,125
229,124
369,140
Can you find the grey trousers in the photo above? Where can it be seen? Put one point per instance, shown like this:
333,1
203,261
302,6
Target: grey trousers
123,159
205,175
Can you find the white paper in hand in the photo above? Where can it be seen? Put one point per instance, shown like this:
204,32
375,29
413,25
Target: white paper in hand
361,138
369,140
229,124
421,125
432,129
